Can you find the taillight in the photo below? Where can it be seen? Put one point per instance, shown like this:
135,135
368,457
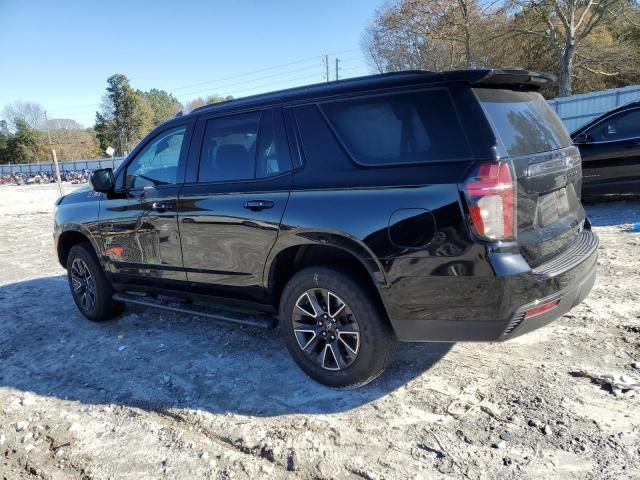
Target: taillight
490,193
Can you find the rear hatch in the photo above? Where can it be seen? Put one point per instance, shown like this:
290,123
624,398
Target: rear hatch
547,170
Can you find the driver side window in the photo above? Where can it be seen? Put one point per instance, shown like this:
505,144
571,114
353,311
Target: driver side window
157,163
623,126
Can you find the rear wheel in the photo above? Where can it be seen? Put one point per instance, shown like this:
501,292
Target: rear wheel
334,328
90,289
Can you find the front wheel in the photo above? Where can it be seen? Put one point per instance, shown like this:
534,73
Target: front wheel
90,288
334,328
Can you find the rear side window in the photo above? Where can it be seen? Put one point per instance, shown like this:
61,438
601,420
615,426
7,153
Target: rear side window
411,127
228,148
523,121
243,147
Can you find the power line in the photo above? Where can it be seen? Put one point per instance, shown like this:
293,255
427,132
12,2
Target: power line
358,67
278,83
219,87
288,80
83,106
308,59
315,57
68,110
245,74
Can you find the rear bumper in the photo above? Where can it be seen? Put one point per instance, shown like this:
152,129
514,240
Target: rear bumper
508,296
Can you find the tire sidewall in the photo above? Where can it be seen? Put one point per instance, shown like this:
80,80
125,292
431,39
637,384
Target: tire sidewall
375,334
102,309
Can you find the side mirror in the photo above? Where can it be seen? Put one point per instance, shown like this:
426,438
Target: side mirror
581,138
102,180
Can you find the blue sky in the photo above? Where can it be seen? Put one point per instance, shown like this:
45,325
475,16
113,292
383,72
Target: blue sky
60,53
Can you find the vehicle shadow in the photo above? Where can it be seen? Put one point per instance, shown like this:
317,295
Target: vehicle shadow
158,360
611,213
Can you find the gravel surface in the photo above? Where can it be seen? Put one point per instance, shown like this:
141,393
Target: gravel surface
162,395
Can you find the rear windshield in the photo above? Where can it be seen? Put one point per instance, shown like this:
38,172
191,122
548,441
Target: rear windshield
523,121
411,127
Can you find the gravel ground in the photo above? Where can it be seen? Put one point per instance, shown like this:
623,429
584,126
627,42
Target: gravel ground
162,395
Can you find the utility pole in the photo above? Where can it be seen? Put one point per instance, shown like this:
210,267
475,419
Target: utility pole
53,154
337,67
326,65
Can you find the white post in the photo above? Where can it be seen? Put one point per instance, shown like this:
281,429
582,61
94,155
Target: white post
55,162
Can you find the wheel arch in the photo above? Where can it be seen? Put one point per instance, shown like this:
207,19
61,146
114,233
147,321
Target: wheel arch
70,236
291,255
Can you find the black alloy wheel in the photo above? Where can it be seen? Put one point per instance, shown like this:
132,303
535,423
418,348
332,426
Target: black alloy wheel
335,327
83,284
326,329
90,289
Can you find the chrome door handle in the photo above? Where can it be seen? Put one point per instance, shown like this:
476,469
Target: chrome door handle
162,206
258,204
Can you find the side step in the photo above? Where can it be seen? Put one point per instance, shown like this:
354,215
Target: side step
238,318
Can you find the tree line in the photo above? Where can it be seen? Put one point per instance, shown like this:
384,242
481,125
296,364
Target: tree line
589,45
125,116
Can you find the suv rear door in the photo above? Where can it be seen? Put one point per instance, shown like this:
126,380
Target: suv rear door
239,178
547,168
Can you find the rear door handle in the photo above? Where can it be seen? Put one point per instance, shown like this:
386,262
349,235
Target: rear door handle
258,204
162,206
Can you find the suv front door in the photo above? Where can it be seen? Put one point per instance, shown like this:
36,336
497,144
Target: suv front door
239,178
138,223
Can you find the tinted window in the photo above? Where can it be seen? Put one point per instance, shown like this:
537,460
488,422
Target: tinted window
234,149
402,128
157,163
228,148
272,156
523,121
619,127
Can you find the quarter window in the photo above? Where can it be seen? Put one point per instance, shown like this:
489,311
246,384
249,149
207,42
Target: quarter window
403,128
157,163
272,156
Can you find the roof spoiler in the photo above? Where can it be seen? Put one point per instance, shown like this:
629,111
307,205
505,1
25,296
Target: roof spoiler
513,79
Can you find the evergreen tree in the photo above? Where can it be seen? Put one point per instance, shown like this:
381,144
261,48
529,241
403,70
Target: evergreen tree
125,117
163,105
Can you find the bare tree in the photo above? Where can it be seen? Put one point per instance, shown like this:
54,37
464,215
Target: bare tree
432,34
193,104
566,24
218,99
30,112
63,124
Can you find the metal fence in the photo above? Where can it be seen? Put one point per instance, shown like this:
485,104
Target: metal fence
577,110
64,166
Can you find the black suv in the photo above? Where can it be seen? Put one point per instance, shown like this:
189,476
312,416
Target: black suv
411,206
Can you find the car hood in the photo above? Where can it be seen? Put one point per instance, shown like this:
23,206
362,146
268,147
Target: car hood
82,194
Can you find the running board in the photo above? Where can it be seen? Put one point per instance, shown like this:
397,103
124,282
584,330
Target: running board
265,322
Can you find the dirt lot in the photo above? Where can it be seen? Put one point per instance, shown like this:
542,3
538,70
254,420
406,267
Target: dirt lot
161,395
